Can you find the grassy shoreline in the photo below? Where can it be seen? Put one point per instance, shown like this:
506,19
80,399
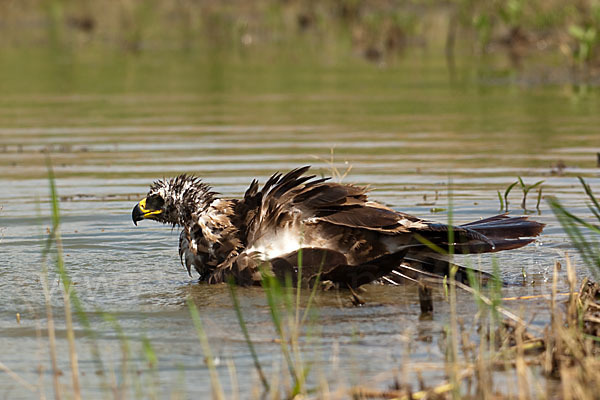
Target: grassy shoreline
378,31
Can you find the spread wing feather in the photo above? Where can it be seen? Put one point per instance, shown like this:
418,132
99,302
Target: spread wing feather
293,195
505,227
365,217
285,197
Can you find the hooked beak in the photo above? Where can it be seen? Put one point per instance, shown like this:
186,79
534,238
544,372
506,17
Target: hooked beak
140,212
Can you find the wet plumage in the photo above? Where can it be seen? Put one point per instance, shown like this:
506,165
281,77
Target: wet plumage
337,232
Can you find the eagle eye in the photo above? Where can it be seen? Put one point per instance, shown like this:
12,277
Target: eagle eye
155,202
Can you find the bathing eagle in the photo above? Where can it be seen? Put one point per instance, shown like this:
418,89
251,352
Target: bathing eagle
330,231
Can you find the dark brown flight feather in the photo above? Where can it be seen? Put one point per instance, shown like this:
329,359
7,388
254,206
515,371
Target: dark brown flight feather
339,234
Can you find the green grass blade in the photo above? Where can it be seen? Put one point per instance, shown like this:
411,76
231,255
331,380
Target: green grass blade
244,328
593,210
313,292
274,294
526,190
570,223
430,244
506,192
450,220
66,281
536,184
298,288
214,376
588,191
580,221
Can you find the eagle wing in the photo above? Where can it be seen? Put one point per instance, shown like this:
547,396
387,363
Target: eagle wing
318,264
298,197
297,203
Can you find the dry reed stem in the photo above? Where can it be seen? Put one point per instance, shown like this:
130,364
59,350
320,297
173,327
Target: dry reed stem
17,378
51,335
68,321
521,367
40,351
275,378
72,348
536,297
443,388
335,173
233,379
217,390
572,280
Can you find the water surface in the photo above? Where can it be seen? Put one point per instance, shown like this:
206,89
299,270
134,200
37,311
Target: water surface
111,126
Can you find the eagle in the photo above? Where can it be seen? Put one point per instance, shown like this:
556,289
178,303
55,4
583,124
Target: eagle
299,226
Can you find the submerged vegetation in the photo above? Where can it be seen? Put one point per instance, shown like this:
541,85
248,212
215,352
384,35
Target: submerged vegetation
525,189
376,30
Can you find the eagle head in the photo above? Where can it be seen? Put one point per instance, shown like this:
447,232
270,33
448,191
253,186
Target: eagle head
173,201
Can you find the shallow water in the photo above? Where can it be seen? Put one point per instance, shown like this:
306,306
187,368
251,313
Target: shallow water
407,129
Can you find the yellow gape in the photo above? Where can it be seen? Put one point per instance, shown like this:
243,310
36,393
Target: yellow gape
145,211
